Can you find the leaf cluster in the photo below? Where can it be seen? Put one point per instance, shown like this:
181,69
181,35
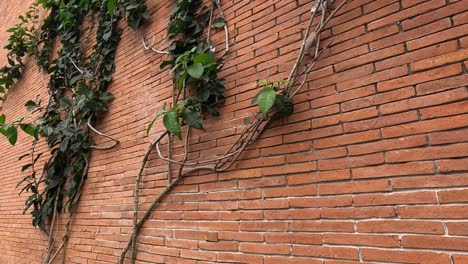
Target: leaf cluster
269,99
194,68
77,92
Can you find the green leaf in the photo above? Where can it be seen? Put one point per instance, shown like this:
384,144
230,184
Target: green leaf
28,129
218,22
172,123
30,105
266,99
204,58
193,118
160,112
283,105
25,167
12,135
111,6
2,119
180,82
165,63
196,70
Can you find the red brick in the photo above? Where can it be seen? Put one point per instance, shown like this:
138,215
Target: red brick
381,121
421,197
378,99
432,125
452,165
437,37
264,248
400,226
433,242
321,201
353,187
366,18
290,260
362,240
417,55
424,101
406,36
351,162
457,228
324,176
448,137
442,84
389,144
406,13
394,170
459,150
430,181
325,251
419,77
369,57
456,56
453,196
294,238
405,256
358,213
442,12
347,139
449,212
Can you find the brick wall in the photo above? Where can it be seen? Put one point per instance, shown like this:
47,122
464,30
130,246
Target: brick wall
371,168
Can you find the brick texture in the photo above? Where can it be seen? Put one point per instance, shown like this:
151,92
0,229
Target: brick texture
371,168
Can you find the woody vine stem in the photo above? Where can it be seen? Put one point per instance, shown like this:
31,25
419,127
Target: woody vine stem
77,94
268,102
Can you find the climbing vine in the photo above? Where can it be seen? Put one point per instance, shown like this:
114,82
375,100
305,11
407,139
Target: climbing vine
77,94
191,60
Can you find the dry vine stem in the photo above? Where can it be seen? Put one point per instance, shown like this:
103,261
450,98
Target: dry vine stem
248,136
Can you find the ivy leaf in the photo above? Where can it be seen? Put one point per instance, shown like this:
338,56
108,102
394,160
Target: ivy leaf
111,6
283,105
196,70
28,129
218,22
30,105
266,99
12,135
204,58
203,93
172,123
193,118
2,119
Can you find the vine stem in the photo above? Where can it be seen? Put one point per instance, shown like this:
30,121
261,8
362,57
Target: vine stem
51,233
248,136
137,190
148,46
116,142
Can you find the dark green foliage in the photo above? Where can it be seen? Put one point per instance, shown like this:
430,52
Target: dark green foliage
77,89
193,65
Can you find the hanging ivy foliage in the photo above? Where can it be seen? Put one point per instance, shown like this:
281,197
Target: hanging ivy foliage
77,91
194,68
